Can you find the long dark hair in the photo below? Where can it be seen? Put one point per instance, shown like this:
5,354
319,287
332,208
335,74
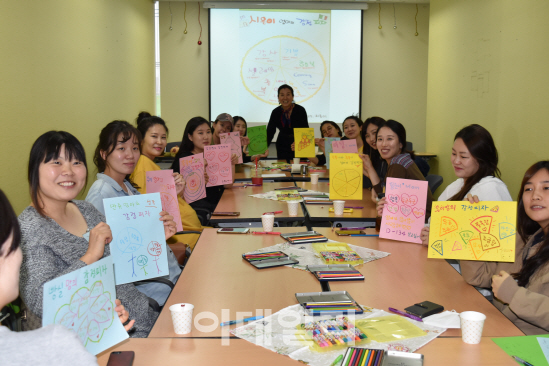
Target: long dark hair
145,121
108,138
46,148
9,225
238,118
481,146
526,227
375,157
400,131
339,132
186,144
377,121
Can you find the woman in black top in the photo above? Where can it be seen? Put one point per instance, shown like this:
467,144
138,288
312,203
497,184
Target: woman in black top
286,117
197,135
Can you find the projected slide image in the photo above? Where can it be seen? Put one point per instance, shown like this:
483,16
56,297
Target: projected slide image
254,51
283,60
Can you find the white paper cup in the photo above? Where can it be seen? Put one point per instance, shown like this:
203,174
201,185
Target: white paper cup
314,178
268,222
182,318
297,160
338,207
293,207
472,323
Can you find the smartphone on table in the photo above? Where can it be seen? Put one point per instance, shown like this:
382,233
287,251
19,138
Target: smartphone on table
121,358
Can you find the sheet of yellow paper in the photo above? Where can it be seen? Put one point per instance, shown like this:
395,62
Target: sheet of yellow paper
345,177
304,142
482,231
389,328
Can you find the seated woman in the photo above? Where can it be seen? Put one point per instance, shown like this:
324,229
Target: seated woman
330,129
391,144
115,157
475,162
369,136
240,125
327,129
352,128
154,132
522,288
60,235
222,124
196,136
41,346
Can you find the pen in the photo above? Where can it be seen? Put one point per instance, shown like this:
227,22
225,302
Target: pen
264,232
272,213
522,361
405,314
230,322
354,207
352,228
336,362
364,235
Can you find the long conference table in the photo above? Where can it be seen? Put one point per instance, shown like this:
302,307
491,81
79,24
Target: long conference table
222,286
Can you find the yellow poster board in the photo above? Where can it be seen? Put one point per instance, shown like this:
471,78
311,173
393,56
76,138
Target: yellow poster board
484,231
304,142
345,177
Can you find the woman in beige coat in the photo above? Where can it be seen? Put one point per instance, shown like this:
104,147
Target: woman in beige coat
521,289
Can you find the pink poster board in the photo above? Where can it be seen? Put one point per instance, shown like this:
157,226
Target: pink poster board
233,139
345,146
404,211
219,167
192,170
162,181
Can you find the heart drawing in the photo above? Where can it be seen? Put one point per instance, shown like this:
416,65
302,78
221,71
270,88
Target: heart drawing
213,180
418,212
406,210
393,198
223,157
409,200
392,208
213,168
225,172
210,155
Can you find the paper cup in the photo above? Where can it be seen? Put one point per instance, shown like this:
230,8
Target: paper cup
293,207
268,222
314,178
182,318
297,160
471,326
338,207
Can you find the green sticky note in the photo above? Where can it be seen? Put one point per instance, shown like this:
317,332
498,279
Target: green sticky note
258,140
525,347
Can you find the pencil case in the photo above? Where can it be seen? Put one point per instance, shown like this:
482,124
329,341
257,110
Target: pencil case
337,253
330,334
336,272
379,357
269,259
328,303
